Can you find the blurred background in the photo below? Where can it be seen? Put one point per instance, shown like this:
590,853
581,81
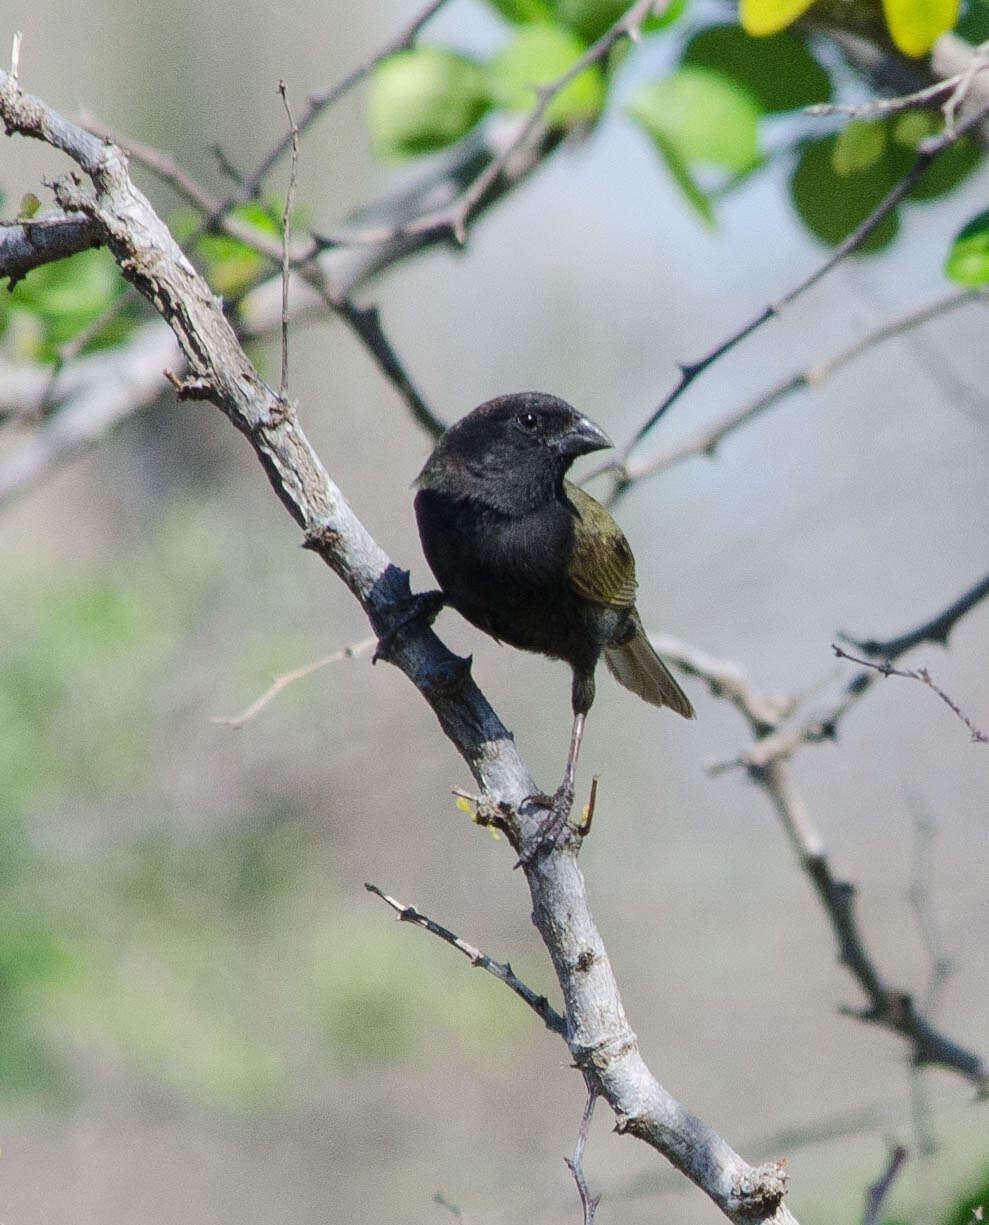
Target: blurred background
204,1015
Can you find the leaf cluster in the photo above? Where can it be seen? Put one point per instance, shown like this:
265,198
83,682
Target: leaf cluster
708,119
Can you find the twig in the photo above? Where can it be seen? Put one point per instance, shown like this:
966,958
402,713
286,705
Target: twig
887,106
920,674
928,151
539,1004
876,1195
707,441
766,764
366,324
286,222
781,743
588,1203
288,678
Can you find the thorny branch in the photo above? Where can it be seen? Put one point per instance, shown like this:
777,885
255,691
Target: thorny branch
783,742
575,1164
539,1004
708,440
928,152
765,762
599,1037
918,674
289,678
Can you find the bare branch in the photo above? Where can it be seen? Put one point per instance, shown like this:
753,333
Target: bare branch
957,87
707,441
766,764
286,222
289,678
539,1004
365,322
599,1036
928,152
921,674
588,1203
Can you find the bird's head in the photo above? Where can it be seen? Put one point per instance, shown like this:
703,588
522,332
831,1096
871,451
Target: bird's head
512,452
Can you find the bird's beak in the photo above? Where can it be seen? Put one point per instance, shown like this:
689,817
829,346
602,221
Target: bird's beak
583,437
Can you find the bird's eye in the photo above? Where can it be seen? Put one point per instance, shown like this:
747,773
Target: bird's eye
528,421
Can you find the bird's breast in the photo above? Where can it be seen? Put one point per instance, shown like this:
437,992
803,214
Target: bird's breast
509,575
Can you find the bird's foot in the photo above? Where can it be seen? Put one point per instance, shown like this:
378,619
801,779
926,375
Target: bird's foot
555,828
423,607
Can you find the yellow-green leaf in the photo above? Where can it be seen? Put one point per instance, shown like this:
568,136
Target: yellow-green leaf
768,16
424,99
858,146
915,24
537,55
705,115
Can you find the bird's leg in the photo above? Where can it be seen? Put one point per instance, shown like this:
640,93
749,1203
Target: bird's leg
423,606
560,803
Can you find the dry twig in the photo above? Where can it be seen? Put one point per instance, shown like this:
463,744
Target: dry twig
918,674
539,1004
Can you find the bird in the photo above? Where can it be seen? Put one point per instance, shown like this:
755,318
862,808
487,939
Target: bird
533,560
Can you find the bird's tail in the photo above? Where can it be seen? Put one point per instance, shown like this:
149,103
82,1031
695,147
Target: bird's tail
636,665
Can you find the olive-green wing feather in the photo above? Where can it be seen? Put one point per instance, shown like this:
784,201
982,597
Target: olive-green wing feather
602,567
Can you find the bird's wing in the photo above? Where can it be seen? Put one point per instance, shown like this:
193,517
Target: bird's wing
602,567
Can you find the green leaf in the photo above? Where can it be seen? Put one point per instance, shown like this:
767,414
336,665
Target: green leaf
519,11
703,115
974,25
537,55
58,300
778,70
968,259
833,202
841,178
590,18
424,99
914,25
761,17
858,146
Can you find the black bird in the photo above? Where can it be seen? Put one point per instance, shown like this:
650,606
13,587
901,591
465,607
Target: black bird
534,561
